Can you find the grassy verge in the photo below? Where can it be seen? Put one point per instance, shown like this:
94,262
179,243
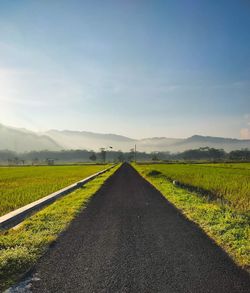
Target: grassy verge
229,228
20,248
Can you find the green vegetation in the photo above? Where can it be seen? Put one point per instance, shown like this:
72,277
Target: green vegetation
22,185
228,226
229,183
20,248
229,165
203,154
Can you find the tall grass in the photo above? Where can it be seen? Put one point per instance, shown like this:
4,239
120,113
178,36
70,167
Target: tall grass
228,182
22,185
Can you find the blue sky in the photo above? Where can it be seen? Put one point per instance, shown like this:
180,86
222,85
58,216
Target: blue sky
137,68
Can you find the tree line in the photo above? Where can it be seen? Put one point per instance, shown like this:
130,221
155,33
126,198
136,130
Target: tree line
103,156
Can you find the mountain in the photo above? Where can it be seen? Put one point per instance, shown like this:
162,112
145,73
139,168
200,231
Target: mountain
160,144
197,141
22,140
89,140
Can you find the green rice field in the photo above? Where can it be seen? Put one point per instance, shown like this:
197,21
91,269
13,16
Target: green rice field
22,185
229,182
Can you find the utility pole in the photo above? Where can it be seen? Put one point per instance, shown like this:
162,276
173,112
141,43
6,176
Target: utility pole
135,153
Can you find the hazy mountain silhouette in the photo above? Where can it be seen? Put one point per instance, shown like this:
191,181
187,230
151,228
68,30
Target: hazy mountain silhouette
21,140
88,140
197,141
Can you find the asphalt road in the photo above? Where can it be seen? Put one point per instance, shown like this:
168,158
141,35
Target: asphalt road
130,239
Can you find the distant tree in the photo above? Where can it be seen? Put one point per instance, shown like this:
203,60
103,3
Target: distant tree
16,161
131,155
217,154
155,157
120,156
103,154
204,153
93,157
34,161
240,155
5,155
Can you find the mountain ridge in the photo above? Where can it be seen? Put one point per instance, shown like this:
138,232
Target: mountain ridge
24,140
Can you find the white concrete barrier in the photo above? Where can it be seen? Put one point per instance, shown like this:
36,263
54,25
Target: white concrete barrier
15,217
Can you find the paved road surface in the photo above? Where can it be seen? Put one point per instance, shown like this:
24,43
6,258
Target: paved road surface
130,239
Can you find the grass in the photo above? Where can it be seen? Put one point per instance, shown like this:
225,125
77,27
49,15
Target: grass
229,227
228,165
230,183
22,185
20,248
